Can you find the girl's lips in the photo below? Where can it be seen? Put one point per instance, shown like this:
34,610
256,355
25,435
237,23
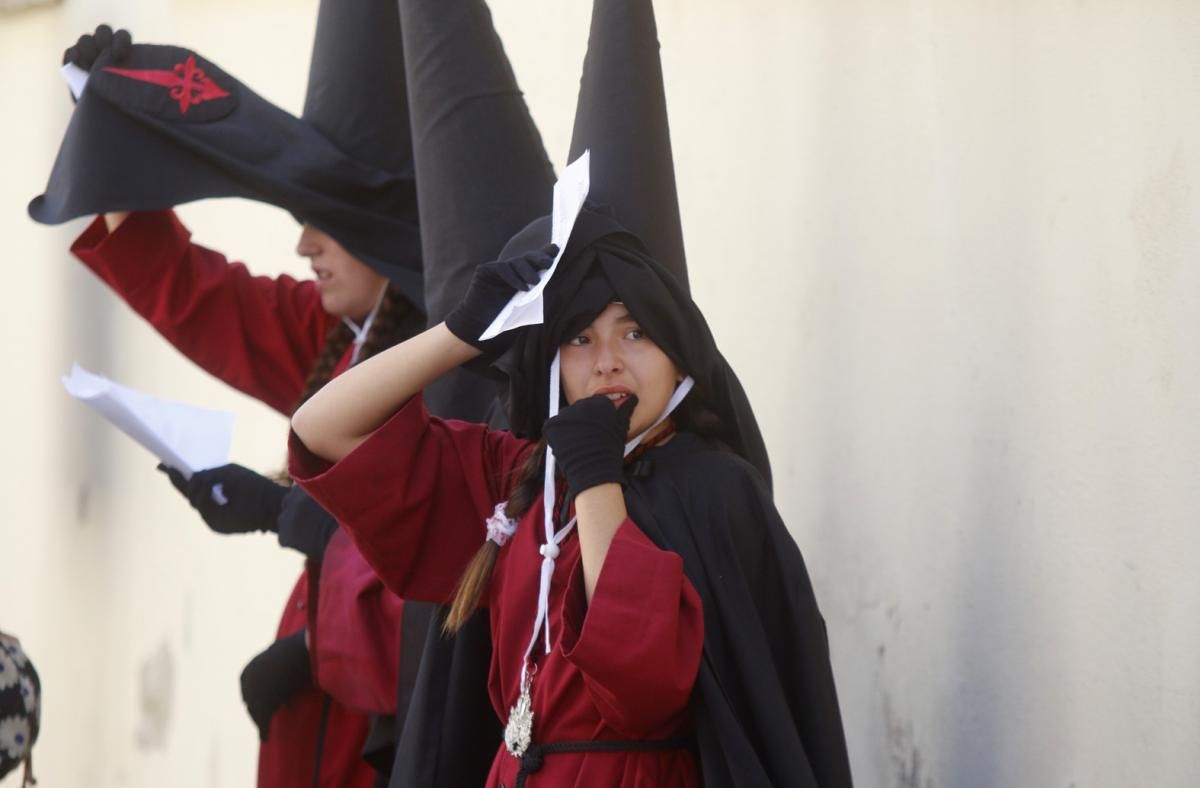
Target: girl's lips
615,394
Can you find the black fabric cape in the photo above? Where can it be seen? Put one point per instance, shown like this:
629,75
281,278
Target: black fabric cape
450,731
764,702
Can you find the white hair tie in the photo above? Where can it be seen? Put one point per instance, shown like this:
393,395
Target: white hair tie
500,527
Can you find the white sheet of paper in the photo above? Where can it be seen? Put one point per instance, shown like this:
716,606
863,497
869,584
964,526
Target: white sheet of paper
183,436
525,308
76,79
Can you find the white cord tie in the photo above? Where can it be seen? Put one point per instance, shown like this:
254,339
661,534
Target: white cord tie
362,332
550,550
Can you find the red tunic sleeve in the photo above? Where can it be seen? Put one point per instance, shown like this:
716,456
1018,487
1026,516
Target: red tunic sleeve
638,643
414,496
354,631
258,334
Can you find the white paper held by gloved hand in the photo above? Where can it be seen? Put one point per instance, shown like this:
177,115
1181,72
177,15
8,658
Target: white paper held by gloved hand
525,308
183,436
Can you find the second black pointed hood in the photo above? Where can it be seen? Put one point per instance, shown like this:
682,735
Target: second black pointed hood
482,172
166,126
357,97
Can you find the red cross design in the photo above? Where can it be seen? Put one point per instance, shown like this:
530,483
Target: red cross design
188,83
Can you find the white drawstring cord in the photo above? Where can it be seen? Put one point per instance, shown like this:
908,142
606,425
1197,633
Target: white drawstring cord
550,549
362,332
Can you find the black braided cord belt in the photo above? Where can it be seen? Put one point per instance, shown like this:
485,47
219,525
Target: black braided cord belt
534,758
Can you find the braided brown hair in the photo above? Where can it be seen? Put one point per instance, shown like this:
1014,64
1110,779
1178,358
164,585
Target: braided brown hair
475,578
396,321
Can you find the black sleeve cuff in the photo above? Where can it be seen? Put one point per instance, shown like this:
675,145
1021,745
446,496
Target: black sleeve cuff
303,525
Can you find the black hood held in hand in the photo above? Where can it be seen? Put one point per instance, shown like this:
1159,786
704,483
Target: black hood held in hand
166,126
603,262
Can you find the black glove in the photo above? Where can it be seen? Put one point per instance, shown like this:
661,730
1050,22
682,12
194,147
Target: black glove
252,502
588,439
491,288
273,677
89,47
304,525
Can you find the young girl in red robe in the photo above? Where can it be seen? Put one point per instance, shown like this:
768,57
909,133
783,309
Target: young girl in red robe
344,170
653,621
277,339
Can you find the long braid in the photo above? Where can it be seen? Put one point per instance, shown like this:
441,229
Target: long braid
396,321
527,487
336,341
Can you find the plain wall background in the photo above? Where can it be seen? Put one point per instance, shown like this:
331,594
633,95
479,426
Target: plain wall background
950,247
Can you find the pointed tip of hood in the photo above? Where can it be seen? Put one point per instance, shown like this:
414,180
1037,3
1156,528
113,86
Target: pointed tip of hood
482,172
621,117
357,95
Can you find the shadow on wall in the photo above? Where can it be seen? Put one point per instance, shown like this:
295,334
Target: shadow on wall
991,658
156,692
88,310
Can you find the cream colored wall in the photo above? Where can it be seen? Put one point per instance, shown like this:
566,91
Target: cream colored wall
950,249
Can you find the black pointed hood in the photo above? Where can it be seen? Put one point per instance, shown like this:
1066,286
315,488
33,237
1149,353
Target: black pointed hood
627,244
357,96
166,126
621,117
482,172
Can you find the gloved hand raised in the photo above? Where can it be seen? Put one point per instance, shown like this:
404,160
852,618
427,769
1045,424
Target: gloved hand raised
273,677
588,439
491,288
90,45
252,502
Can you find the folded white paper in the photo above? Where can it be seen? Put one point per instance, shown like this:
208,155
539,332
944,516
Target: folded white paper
183,436
525,308
76,79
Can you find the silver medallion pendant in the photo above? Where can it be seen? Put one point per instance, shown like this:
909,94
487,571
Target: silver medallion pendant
518,733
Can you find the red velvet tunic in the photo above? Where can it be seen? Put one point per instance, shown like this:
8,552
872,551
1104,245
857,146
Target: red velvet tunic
414,498
262,335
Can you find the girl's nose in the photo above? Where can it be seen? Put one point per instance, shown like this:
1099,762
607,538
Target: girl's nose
307,246
608,359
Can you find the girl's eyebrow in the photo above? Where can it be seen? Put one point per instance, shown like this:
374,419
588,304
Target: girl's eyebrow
626,318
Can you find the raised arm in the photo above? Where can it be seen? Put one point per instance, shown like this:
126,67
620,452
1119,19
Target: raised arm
339,417
335,420
259,334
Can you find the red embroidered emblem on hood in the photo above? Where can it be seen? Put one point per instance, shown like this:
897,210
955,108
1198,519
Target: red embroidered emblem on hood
188,83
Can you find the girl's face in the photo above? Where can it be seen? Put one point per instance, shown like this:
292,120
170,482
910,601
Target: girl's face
348,288
614,357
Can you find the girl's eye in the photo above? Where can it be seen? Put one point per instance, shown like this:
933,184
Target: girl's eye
579,340
635,333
